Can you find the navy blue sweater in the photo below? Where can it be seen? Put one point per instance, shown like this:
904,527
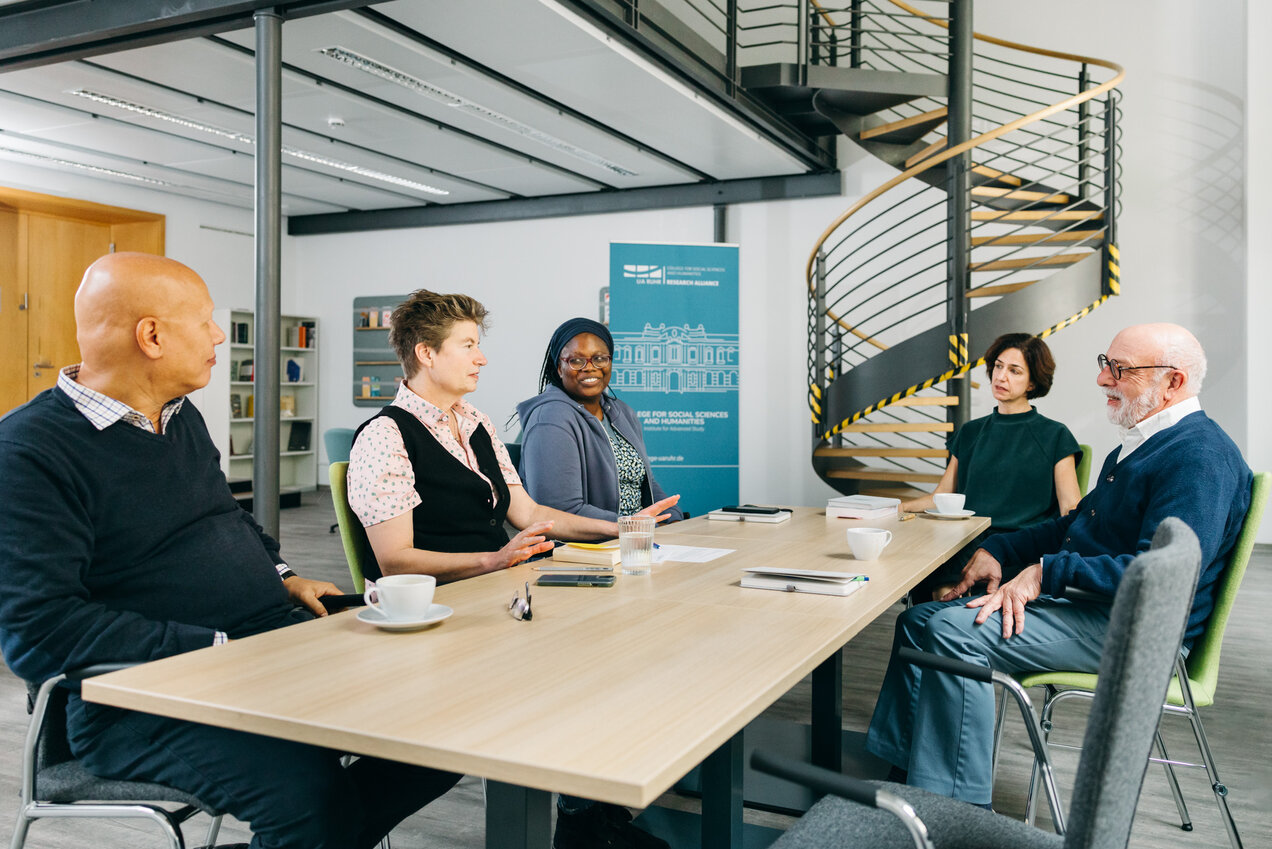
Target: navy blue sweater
1191,470
122,544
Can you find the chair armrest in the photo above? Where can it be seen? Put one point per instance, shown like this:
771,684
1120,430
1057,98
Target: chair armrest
99,669
1010,685
946,664
847,787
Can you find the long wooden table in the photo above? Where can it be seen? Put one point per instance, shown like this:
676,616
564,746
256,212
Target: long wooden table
611,694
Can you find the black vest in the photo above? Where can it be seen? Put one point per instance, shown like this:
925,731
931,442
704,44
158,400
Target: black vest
455,513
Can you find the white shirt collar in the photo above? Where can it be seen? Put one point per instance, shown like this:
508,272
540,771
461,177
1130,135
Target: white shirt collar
1135,436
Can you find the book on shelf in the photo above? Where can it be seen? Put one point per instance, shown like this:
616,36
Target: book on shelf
246,371
862,507
287,406
724,514
236,405
298,439
588,554
802,580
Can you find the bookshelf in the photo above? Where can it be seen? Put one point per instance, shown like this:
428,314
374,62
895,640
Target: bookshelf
231,408
376,370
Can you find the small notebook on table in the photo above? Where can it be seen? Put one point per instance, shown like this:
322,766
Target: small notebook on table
802,580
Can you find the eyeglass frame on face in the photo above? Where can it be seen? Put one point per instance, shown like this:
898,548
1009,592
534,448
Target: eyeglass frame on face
1115,368
519,607
607,358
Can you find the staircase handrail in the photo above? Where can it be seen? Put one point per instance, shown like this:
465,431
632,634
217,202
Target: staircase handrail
977,141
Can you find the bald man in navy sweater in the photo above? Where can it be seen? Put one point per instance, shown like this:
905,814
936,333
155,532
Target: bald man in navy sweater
120,541
1173,460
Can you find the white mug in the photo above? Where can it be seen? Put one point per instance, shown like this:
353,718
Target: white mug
403,598
868,543
949,502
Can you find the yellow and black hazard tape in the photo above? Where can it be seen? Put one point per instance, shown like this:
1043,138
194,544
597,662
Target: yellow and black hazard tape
958,349
941,378
1115,272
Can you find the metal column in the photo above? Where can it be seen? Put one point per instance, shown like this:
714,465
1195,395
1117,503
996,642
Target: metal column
269,135
958,187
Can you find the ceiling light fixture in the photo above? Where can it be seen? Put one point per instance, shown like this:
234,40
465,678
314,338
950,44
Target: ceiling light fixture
83,166
419,86
297,153
151,112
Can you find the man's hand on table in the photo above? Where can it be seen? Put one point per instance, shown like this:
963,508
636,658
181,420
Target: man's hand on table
306,593
1011,598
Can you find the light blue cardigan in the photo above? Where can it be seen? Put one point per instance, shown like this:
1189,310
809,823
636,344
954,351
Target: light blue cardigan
566,458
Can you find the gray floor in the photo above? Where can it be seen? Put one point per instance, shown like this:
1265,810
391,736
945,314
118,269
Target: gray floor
1238,725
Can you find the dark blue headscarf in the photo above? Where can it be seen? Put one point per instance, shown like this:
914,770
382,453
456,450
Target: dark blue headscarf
567,331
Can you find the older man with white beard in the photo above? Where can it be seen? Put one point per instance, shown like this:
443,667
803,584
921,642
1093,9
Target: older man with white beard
1173,460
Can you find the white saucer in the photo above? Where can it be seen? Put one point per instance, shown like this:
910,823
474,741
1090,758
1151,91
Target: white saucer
956,514
372,616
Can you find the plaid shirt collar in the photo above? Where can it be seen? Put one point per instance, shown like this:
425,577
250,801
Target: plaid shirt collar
102,411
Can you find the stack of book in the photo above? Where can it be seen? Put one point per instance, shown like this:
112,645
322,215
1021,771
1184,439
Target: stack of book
862,507
588,553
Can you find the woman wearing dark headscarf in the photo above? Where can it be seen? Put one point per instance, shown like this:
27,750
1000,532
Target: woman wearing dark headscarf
581,448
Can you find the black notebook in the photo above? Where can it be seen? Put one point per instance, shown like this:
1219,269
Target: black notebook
299,438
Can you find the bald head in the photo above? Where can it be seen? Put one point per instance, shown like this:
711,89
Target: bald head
1161,365
144,322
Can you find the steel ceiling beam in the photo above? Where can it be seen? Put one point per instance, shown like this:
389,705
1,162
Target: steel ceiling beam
821,184
41,32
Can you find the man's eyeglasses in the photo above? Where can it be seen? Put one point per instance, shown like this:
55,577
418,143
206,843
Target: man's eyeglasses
520,607
580,363
1115,368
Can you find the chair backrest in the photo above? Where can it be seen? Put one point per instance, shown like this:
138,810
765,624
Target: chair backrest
357,548
339,442
1203,660
1146,627
1083,468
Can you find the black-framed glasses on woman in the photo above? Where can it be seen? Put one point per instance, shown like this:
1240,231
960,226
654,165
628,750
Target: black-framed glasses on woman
1115,368
580,363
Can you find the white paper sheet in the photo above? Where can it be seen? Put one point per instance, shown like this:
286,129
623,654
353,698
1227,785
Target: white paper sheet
688,553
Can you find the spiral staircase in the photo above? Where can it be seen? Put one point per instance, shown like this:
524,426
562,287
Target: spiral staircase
1002,217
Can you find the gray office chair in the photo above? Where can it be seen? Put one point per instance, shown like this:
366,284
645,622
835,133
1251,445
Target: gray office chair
55,784
1146,627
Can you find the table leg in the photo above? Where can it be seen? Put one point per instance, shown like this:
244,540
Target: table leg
722,796
828,712
517,817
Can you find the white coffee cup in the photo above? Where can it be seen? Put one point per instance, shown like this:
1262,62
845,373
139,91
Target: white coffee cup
403,598
868,543
949,502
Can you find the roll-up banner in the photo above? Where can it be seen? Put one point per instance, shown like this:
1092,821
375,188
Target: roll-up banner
674,318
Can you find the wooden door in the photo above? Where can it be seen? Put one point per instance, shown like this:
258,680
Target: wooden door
58,252
13,323
46,243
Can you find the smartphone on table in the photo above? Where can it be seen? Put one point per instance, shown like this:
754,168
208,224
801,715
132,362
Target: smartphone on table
558,579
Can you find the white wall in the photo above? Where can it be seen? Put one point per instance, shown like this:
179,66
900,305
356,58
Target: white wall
1259,249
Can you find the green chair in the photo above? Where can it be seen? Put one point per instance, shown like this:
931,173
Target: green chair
1083,468
1195,680
357,548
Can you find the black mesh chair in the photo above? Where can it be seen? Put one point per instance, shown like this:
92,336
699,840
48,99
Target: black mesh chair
55,784
1146,626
